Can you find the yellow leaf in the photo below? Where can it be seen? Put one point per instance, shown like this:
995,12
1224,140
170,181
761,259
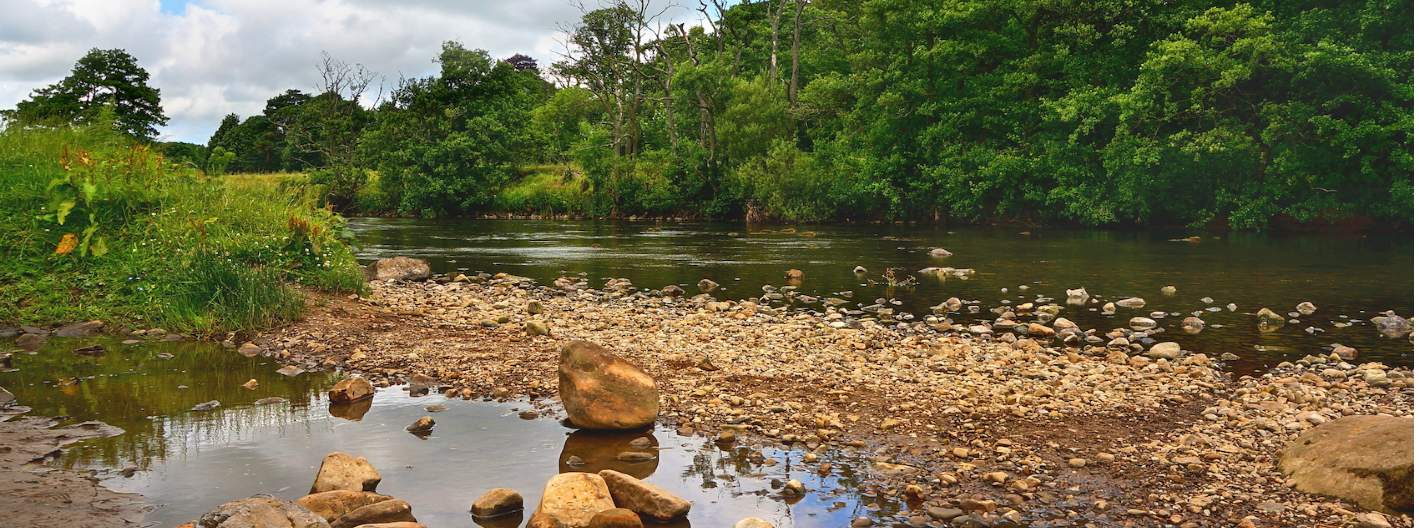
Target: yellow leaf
67,243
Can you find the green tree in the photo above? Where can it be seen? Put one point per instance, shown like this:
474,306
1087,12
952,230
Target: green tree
99,78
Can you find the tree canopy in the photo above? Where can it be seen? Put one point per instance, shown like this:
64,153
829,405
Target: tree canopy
101,78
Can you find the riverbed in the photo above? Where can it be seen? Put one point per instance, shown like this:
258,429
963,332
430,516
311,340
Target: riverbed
1350,278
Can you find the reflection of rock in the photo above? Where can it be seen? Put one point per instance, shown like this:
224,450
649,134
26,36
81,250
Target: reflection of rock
1368,460
593,451
602,391
570,500
340,471
352,411
351,389
261,511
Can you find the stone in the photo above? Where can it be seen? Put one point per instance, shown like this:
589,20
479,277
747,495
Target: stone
1142,323
1169,290
249,349
672,291
251,384
602,391
1108,309
570,500
534,307
390,511
1039,330
643,497
1165,350
398,269
84,329
939,253
261,511
1193,325
30,341
1132,303
1269,320
793,275
794,488
753,522
350,390
330,505
1076,296
400,524
1367,460
707,285
290,371
1306,308
1390,325
340,471
859,270
206,406
424,425
1371,520
616,518
1345,352
497,502
6,398
536,328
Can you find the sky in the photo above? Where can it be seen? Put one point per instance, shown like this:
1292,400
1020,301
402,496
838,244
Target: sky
214,57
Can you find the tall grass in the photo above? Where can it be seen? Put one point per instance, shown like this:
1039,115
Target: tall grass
183,251
546,189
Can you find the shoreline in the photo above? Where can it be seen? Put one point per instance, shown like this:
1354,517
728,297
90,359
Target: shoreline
34,493
1004,428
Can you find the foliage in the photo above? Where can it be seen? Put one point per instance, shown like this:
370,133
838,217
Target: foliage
101,78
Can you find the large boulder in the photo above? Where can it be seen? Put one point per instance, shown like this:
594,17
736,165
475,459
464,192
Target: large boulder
333,504
399,269
261,511
340,471
602,391
570,500
351,390
643,497
390,511
1367,460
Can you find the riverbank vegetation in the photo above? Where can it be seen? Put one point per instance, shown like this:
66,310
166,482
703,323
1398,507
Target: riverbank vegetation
100,226
1244,114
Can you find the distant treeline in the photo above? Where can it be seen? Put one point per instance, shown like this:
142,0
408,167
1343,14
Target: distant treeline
1099,113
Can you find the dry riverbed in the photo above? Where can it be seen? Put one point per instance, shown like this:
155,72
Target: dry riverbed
1000,428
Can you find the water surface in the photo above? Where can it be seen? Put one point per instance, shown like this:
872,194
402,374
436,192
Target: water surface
1350,278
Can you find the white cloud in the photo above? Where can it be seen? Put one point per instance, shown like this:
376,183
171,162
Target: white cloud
220,56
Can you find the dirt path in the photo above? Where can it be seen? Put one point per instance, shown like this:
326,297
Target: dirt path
1013,430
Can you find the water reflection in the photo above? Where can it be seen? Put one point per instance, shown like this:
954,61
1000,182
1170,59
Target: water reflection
272,439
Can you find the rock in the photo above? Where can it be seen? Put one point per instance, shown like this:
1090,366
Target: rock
84,329
602,391
1345,352
290,371
31,341
398,269
1306,308
350,390
616,518
400,524
497,502
534,307
794,488
91,350
859,270
536,328
206,406
644,498
1076,296
249,349
1371,520
390,511
1390,325
753,522
6,398
707,285
1367,460
424,425
251,384
1108,309
261,511
672,291
793,275
1269,320
570,500
1165,350
1169,290
939,253
340,471
1142,323
1039,330
1132,303
330,505
1193,325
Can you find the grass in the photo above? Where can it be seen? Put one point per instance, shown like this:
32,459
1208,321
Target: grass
167,246
546,189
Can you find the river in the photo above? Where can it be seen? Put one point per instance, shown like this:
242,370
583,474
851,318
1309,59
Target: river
1349,278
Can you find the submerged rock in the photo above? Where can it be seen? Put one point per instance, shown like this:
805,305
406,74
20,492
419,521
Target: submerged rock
261,511
570,500
1368,460
398,269
644,498
340,471
1269,320
602,391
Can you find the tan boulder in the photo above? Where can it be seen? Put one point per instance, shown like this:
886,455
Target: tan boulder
351,389
616,518
399,269
497,502
643,497
1367,460
393,510
340,471
332,504
261,511
602,391
570,500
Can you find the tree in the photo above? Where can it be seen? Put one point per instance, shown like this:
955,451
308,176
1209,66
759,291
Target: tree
522,62
99,78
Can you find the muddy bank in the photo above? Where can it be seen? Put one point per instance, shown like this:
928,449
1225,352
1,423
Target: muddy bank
32,493
1019,430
